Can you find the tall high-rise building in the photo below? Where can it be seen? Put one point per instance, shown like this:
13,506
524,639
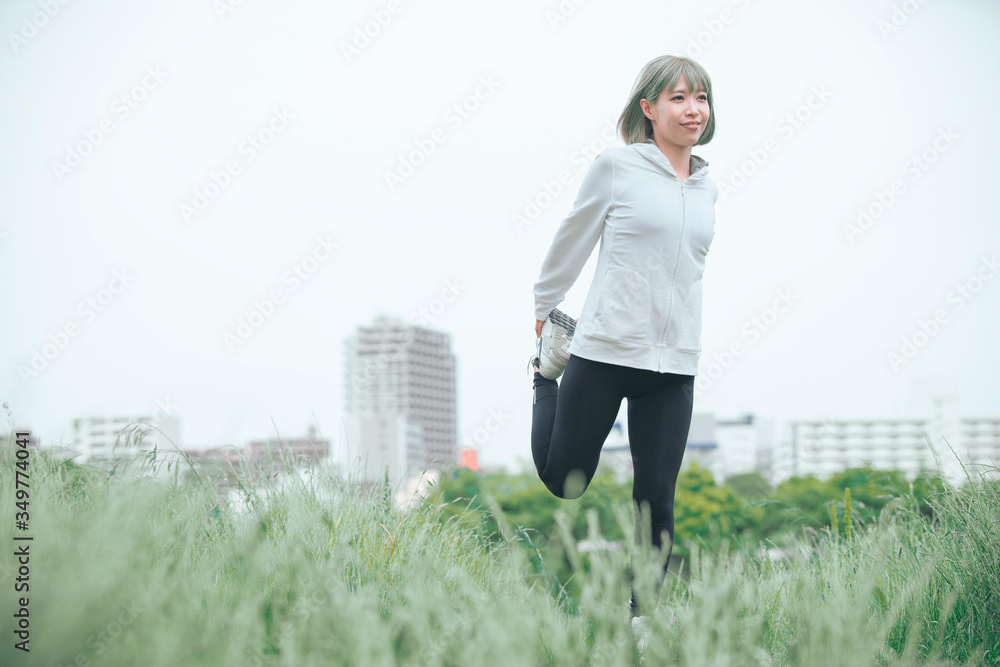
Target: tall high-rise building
400,397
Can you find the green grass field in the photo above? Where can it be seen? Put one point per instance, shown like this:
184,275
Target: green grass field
126,570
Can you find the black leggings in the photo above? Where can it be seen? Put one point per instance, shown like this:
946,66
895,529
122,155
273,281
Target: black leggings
571,420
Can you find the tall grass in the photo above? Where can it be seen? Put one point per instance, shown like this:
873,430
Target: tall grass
127,570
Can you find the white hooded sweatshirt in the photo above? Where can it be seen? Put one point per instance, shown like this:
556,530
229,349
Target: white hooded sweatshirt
644,305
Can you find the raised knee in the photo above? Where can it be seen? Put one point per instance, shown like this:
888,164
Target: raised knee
570,495
569,488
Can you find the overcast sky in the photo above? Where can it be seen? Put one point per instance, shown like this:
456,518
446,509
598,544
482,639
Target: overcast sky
167,168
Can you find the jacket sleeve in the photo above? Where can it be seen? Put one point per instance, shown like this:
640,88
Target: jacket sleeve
576,236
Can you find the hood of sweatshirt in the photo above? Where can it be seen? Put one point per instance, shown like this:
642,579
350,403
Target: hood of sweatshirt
652,152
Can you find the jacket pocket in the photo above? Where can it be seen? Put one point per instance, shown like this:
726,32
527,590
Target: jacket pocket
623,307
684,328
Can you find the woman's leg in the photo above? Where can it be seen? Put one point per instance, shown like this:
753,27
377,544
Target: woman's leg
571,420
658,425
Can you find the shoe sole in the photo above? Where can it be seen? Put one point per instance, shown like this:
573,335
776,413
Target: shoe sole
562,319
557,317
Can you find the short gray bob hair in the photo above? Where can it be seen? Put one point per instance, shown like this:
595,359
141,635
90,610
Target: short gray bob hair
662,73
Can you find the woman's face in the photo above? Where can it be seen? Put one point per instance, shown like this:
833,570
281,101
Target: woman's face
678,117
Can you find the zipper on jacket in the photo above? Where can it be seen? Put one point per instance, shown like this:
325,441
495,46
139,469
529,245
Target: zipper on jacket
680,244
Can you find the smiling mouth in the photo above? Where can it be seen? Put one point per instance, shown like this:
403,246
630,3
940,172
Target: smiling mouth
691,126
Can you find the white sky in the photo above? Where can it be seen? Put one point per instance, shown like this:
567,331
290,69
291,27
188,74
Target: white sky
161,338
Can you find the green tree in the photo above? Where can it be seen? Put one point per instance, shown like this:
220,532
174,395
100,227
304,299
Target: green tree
797,502
704,511
751,485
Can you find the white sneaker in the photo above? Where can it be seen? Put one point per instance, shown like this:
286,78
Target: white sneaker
553,345
641,633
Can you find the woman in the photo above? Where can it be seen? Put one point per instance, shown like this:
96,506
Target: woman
652,205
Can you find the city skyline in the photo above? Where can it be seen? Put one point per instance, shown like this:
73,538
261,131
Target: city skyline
392,359
166,412
197,213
